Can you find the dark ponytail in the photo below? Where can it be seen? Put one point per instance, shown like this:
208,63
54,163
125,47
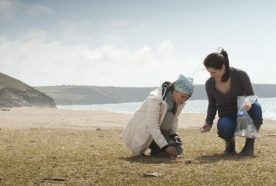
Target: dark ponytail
216,60
226,75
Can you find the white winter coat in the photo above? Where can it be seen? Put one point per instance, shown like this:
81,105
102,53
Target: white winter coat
144,126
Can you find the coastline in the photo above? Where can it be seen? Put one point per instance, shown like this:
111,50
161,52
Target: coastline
26,118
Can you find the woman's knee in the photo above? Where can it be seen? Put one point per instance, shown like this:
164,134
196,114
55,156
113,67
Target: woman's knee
226,127
256,111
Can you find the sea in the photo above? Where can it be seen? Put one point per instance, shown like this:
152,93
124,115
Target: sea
192,106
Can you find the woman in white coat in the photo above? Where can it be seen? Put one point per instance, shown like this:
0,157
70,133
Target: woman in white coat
154,125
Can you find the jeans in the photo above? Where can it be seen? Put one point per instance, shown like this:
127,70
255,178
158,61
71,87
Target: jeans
227,124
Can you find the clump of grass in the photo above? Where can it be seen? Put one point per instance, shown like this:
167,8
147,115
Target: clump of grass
99,157
9,82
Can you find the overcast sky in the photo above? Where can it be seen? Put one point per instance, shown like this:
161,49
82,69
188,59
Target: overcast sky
133,42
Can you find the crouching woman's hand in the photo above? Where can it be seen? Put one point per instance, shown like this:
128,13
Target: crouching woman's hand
206,128
171,150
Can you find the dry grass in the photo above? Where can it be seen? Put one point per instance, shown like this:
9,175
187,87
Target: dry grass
99,157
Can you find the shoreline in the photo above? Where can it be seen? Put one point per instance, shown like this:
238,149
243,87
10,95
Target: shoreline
26,118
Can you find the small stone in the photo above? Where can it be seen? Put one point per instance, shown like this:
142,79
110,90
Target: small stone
152,174
190,161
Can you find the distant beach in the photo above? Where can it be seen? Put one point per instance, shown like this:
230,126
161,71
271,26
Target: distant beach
85,119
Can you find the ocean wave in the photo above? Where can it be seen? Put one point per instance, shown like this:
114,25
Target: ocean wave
192,106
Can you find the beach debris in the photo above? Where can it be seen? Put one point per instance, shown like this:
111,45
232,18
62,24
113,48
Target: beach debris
190,161
270,134
54,179
152,174
5,109
98,129
10,146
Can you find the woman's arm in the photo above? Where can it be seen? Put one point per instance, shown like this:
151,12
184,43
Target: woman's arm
246,84
212,108
247,87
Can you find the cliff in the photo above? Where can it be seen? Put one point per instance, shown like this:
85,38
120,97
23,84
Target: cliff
14,93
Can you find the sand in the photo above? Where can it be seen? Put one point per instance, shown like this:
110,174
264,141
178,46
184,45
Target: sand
75,119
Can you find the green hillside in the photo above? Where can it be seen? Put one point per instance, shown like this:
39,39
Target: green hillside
84,95
15,93
68,95
9,82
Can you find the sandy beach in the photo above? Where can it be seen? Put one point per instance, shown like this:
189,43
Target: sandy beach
66,147
75,119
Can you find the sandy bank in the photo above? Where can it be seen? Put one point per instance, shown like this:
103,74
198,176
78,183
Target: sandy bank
58,118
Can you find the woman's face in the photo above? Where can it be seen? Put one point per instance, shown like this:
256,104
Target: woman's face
216,73
180,97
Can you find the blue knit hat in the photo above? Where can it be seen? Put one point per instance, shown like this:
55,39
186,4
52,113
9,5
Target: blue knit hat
184,84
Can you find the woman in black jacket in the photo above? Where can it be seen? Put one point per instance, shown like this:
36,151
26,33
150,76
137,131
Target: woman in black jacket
223,88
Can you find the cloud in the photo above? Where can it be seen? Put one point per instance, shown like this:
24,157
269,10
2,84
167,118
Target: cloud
38,62
119,24
9,9
36,9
